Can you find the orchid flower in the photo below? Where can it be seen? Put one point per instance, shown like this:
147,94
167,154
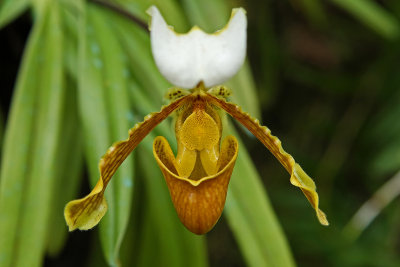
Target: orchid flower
198,176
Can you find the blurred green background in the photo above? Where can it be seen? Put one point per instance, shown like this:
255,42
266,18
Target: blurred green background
324,76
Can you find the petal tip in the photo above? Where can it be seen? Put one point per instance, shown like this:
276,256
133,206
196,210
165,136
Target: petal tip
85,213
322,218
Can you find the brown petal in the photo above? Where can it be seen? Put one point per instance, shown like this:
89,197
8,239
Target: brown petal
85,213
297,176
199,203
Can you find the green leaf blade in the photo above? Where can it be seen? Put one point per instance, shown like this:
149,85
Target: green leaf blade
105,109
39,103
252,218
10,9
372,15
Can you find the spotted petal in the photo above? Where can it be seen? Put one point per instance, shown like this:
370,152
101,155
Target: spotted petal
297,176
85,213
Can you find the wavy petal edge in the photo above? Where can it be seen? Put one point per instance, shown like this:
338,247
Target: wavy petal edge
298,177
85,213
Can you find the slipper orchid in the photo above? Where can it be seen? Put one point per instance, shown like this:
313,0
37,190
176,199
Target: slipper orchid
198,176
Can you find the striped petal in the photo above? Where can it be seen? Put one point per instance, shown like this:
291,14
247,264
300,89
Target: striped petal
297,176
85,213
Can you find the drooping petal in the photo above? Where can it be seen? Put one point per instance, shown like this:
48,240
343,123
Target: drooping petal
85,213
187,59
198,203
297,176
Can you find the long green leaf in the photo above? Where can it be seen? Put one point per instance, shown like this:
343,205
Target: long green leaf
70,15
1,131
26,200
45,163
145,256
10,9
252,218
70,152
136,44
132,244
372,15
173,12
208,15
96,254
366,214
17,143
104,108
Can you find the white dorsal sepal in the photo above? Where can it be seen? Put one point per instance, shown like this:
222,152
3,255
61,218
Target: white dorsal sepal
187,59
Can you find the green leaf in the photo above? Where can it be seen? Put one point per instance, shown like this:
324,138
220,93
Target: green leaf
96,255
373,15
1,131
68,175
208,15
171,10
385,152
142,68
136,44
30,160
243,90
104,109
145,256
252,218
11,9
374,206
70,150
70,16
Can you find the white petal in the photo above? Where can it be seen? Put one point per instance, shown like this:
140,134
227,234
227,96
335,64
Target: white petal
186,59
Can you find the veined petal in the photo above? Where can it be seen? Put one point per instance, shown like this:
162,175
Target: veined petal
297,176
187,59
85,213
198,203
